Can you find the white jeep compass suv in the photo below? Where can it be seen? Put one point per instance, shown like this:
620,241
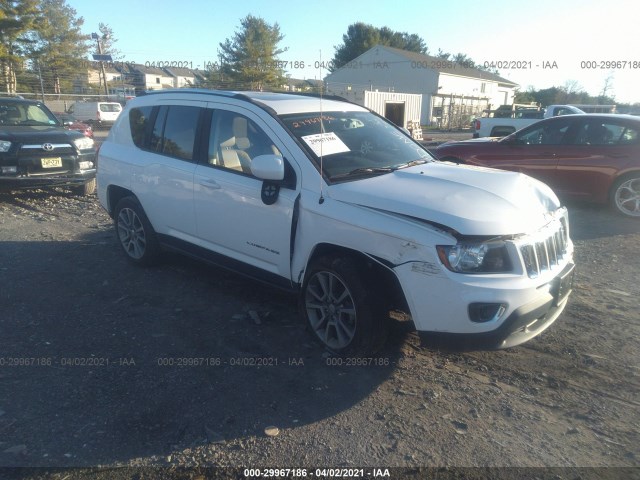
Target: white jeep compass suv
327,199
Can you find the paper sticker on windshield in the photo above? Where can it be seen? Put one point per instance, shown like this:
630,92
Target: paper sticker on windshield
325,143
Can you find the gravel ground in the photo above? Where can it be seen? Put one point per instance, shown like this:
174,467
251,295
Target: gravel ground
183,365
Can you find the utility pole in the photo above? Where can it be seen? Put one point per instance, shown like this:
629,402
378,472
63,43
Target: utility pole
101,57
41,82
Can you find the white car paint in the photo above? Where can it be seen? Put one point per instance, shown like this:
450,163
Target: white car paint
396,219
471,200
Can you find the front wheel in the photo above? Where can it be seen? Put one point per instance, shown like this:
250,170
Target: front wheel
87,188
341,307
135,233
625,196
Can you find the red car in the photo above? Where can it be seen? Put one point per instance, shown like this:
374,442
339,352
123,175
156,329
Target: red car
71,123
591,157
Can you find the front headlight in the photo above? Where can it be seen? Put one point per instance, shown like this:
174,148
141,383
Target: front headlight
83,143
485,257
4,146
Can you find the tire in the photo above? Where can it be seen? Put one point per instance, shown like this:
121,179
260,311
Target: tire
625,196
135,233
87,188
342,308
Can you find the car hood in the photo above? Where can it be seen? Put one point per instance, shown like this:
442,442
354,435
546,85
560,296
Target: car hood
35,135
471,141
470,200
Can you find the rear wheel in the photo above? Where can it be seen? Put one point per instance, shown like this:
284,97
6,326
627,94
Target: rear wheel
625,196
135,233
341,307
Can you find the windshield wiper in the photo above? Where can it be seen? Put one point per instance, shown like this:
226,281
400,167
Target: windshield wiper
365,170
412,163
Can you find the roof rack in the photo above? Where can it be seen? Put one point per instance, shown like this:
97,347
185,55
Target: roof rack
240,94
200,91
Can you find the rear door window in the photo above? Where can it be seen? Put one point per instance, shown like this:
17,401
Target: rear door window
606,132
139,122
169,130
180,131
158,129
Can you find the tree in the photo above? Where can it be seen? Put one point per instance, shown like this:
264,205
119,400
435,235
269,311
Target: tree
57,44
107,42
572,87
16,19
527,96
360,37
402,40
570,93
463,59
604,95
251,57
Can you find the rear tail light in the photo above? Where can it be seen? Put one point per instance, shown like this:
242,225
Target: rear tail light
477,126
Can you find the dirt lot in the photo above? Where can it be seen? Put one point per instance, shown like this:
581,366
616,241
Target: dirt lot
103,363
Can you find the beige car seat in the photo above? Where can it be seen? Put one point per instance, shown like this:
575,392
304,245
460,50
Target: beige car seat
233,148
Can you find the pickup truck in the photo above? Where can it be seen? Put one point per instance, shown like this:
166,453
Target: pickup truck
500,127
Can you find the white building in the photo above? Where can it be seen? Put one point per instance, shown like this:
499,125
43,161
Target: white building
451,93
150,78
90,78
182,77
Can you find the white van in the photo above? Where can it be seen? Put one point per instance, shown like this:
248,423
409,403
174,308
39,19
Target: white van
96,113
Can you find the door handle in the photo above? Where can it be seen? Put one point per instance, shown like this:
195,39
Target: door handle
210,183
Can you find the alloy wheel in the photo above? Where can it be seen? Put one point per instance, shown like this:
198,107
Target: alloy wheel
627,197
330,309
131,233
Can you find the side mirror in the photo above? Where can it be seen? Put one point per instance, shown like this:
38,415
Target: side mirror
268,167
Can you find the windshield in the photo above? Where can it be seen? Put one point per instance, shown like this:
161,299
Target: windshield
354,144
25,114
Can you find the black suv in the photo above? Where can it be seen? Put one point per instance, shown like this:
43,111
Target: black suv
37,151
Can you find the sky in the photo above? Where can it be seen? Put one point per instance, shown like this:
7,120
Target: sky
585,43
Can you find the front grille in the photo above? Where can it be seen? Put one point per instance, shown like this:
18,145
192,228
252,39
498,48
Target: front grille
56,149
546,249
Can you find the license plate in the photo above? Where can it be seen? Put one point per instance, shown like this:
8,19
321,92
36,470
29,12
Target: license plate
564,285
55,162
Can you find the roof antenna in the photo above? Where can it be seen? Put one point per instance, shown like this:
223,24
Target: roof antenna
321,199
